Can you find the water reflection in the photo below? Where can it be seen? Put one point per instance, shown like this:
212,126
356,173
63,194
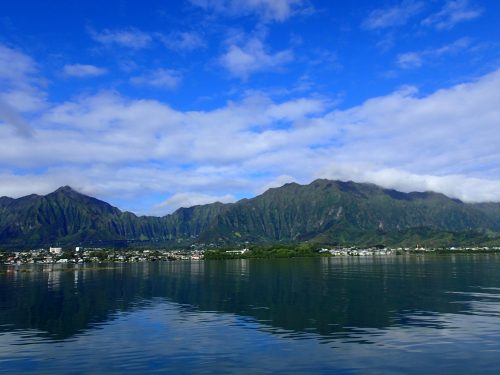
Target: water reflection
324,296
410,305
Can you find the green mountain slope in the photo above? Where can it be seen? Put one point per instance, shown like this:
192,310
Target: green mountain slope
323,211
67,217
330,210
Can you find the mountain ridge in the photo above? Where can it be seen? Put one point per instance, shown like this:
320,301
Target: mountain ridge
327,211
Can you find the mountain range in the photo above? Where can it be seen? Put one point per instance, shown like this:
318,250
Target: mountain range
323,212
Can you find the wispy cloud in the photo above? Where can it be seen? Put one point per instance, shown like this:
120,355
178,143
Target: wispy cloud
182,41
16,68
9,116
411,60
251,56
129,37
266,10
159,78
19,89
397,15
83,70
452,13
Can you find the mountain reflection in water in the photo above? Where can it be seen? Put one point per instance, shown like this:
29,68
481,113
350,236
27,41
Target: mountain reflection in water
345,315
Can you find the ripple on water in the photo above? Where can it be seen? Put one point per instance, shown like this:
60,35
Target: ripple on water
396,315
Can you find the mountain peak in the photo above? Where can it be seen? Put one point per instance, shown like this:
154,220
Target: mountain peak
326,211
65,189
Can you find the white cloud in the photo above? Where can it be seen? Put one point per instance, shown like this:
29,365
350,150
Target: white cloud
182,41
450,133
130,37
190,199
90,144
159,78
127,183
112,146
9,116
267,10
252,57
410,60
468,189
21,185
19,89
452,13
393,16
83,70
16,68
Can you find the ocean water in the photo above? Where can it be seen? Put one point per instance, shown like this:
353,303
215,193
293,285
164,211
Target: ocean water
350,315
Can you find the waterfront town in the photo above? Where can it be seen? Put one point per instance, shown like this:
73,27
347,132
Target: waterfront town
95,255
78,255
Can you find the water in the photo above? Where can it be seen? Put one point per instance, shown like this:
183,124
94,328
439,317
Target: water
382,315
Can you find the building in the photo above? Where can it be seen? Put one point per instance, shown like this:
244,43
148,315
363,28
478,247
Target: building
55,250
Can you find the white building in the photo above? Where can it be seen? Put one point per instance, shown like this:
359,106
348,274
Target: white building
55,250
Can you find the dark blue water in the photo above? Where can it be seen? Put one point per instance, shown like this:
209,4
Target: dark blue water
393,315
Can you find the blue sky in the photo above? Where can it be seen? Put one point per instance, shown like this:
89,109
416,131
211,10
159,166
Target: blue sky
160,104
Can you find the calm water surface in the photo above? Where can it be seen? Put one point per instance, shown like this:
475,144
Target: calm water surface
391,315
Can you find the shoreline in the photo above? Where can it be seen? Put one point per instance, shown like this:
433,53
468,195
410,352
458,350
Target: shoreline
111,263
